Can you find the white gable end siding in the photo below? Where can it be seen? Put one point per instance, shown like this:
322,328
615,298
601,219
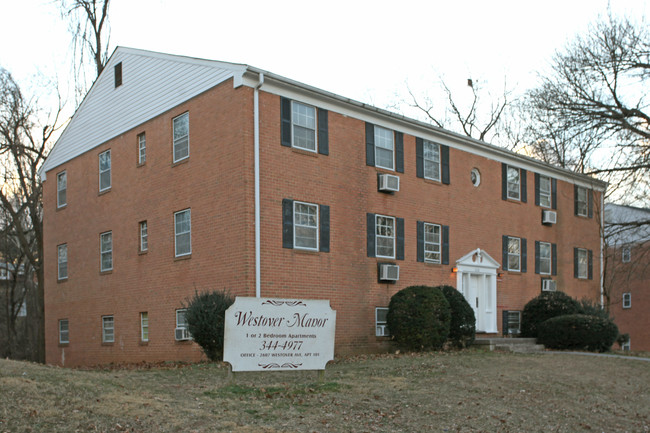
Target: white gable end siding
151,85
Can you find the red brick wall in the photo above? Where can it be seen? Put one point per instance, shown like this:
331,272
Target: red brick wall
217,184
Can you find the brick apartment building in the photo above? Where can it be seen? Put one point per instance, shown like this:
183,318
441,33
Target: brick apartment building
627,277
179,174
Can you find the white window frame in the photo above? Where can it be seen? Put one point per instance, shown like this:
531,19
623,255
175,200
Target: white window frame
144,326
62,265
296,122
583,264
144,236
107,156
177,234
583,201
105,252
62,192
181,313
430,246
381,144
514,252
297,224
381,325
548,259
142,148
378,235
626,255
180,140
627,300
108,329
510,192
64,332
518,314
545,196
431,163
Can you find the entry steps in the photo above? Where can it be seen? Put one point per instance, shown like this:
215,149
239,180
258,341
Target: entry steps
518,345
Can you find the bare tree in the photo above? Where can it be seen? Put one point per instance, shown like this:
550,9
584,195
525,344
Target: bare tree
89,25
472,115
24,143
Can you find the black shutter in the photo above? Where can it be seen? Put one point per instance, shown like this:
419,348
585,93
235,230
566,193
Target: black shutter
575,199
504,322
445,245
324,228
536,189
444,164
537,257
399,249
323,133
420,233
554,259
575,263
371,234
524,255
419,157
504,181
285,114
523,185
590,201
554,193
504,247
370,144
590,270
287,223
399,152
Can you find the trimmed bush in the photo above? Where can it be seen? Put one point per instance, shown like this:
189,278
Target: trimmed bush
462,327
205,317
544,307
578,331
418,318
591,308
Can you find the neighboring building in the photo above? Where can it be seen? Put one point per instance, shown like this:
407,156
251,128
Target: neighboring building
150,194
627,274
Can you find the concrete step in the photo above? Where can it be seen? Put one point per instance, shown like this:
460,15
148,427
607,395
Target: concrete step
518,345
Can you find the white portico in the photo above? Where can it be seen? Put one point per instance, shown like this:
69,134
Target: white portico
476,279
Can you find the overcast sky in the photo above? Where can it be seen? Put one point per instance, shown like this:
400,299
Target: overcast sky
365,50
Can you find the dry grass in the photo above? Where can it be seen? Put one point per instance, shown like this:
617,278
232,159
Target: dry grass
438,392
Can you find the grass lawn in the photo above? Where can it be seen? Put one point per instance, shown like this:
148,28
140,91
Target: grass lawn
434,392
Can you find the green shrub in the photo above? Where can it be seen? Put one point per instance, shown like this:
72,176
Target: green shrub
462,327
544,307
591,308
205,317
418,318
578,331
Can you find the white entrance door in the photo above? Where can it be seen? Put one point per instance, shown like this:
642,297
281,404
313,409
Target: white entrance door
476,292
477,282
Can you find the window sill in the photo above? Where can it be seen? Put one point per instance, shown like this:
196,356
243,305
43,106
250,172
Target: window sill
108,272
183,342
105,191
104,343
303,251
64,344
305,152
142,253
62,207
432,182
181,258
143,343
62,280
179,162
140,164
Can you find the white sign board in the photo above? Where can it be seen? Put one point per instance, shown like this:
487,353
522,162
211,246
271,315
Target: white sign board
279,334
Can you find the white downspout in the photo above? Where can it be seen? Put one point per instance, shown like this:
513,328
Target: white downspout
602,250
256,132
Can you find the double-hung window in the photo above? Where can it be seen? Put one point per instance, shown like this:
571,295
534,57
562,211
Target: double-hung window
432,243
514,254
385,236
105,171
384,148
582,260
108,329
626,255
545,191
544,258
181,133
106,251
62,260
381,322
431,155
61,189
303,126
183,233
305,226
144,237
142,148
582,207
627,300
144,326
64,331
513,183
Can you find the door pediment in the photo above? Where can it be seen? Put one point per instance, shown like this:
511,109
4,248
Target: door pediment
478,259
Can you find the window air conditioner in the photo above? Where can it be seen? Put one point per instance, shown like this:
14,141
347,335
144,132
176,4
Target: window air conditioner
549,286
388,183
388,272
549,217
382,331
182,334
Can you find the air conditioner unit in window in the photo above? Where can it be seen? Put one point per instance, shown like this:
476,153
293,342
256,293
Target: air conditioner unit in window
549,286
549,217
388,272
182,334
382,331
388,183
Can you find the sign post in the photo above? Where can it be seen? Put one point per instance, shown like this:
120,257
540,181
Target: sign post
263,334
